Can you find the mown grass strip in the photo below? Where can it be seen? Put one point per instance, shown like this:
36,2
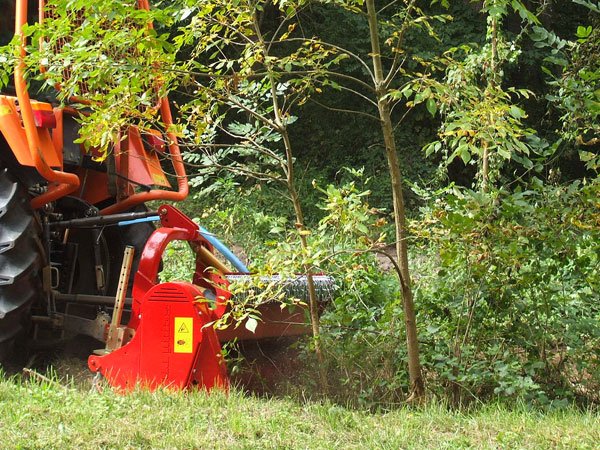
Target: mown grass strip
37,414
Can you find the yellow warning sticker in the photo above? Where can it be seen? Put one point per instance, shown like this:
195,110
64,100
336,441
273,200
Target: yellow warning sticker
184,335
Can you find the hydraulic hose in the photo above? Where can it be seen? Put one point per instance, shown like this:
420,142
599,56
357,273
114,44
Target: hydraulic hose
216,243
224,250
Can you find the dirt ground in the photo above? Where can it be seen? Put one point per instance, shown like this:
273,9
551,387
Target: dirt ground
256,367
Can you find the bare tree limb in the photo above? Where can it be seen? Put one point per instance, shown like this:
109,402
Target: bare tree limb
399,42
350,111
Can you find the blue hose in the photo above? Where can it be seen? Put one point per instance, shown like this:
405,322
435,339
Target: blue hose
124,223
224,250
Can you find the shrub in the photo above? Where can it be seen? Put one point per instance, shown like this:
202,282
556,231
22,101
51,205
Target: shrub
508,297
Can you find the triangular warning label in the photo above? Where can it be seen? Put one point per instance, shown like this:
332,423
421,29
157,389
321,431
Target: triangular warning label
183,328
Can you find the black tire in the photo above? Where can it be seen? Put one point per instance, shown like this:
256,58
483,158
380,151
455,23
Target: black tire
21,262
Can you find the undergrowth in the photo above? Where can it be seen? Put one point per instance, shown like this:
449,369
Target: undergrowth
506,287
50,415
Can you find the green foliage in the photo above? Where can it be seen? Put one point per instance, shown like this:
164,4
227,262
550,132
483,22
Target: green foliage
484,123
509,299
590,4
577,93
248,216
361,324
478,119
107,62
178,263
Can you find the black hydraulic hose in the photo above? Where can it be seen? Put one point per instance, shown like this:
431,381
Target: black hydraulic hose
98,221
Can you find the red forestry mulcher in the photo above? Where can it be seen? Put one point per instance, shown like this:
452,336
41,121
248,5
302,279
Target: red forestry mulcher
73,229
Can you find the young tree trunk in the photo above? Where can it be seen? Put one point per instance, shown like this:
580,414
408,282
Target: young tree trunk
313,306
485,167
492,83
293,193
414,364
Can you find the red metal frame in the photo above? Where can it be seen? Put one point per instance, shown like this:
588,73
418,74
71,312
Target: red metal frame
177,226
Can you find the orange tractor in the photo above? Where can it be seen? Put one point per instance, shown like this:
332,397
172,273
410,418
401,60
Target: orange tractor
72,229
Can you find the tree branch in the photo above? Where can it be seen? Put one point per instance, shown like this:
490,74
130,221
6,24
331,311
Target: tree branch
361,113
341,49
399,42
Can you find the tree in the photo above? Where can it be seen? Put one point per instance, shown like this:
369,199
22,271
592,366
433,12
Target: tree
382,84
483,121
389,83
251,91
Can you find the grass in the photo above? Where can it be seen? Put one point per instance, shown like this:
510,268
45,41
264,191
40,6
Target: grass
47,415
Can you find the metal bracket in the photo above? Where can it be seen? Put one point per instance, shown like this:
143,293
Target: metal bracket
96,328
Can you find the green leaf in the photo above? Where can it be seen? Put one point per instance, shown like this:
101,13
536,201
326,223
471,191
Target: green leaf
538,34
524,12
589,4
517,112
587,156
434,147
251,324
362,228
419,98
584,32
407,92
463,152
431,106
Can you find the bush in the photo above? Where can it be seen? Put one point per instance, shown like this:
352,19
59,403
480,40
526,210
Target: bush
506,287
508,297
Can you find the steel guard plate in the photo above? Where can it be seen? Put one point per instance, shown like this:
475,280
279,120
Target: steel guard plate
174,344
